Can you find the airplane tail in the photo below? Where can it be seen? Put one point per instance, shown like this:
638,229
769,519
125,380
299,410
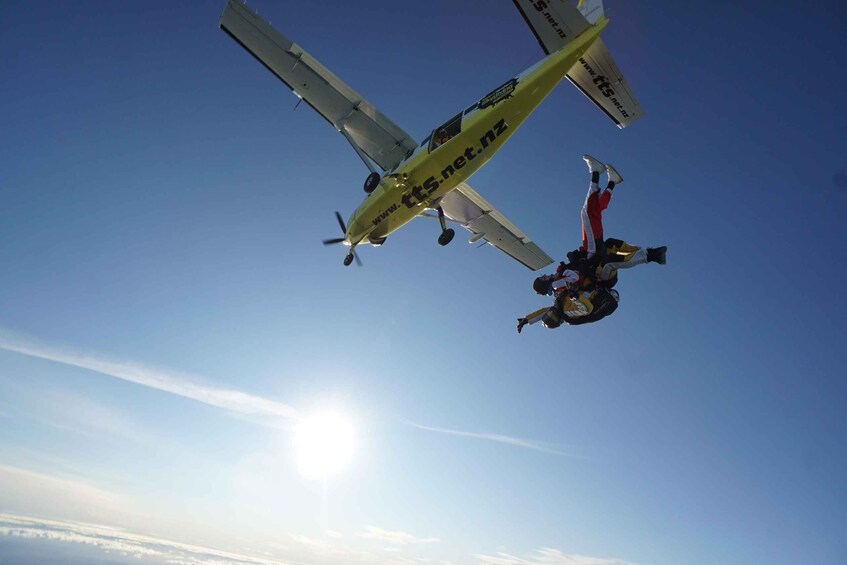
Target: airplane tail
555,23
590,9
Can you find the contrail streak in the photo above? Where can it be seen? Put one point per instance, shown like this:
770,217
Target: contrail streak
189,386
168,381
519,442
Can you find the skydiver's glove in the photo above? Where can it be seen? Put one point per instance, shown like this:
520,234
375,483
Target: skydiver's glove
521,323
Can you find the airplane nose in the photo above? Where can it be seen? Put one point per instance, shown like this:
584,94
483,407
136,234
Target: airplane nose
355,230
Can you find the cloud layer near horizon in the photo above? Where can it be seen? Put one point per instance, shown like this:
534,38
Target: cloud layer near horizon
149,549
394,537
548,556
145,549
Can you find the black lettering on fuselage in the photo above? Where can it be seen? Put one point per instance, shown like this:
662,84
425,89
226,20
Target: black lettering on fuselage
487,138
420,193
431,185
383,215
417,192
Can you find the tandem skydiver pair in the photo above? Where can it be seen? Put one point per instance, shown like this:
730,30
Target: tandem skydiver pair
582,288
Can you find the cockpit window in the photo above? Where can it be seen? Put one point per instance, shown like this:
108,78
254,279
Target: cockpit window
443,134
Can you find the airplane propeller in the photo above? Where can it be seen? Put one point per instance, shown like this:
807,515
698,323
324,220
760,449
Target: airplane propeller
352,254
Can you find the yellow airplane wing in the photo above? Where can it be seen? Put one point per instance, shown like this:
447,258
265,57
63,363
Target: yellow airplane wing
466,207
367,129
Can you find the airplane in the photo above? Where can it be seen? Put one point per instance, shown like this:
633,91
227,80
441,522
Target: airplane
409,179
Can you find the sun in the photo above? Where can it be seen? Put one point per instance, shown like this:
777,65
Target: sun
324,443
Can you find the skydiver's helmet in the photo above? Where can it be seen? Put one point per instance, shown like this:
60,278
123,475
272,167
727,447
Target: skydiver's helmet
552,319
543,285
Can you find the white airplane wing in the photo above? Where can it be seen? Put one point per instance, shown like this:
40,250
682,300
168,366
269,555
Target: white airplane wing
554,23
597,76
465,206
367,129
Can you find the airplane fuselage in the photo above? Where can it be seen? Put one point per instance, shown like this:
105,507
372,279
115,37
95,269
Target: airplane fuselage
460,147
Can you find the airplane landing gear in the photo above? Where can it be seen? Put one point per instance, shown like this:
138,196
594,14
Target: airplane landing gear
351,256
446,236
446,233
371,182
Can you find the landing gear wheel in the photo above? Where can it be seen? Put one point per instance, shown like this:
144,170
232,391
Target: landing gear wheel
348,259
446,233
371,182
446,236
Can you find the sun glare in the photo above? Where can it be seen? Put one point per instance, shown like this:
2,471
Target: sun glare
324,443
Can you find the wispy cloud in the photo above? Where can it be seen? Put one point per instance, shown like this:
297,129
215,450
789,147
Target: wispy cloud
181,384
270,411
548,556
330,550
399,548
394,537
72,412
19,486
500,438
144,548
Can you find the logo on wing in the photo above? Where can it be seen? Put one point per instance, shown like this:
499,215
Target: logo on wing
498,94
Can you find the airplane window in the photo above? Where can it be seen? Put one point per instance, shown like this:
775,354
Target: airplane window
445,133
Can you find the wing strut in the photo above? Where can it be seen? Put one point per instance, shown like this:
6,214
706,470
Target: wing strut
359,152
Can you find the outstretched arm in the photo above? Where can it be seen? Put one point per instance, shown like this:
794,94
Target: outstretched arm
531,318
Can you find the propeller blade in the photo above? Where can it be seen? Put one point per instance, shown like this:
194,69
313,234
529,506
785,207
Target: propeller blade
341,223
333,241
358,261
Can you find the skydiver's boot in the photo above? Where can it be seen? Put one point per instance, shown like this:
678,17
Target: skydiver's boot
656,254
614,177
595,167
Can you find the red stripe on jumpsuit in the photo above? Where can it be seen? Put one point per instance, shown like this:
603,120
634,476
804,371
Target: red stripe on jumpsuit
592,216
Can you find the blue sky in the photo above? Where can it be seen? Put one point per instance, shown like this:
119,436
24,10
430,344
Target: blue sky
160,226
